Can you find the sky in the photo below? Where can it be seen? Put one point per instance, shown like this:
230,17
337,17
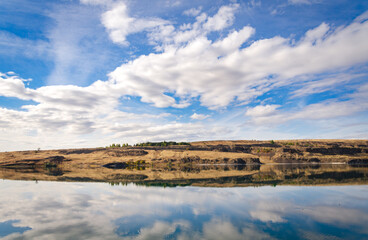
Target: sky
90,73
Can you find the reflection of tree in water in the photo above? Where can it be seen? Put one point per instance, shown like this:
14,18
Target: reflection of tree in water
54,171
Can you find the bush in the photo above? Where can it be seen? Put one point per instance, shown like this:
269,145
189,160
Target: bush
162,144
118,145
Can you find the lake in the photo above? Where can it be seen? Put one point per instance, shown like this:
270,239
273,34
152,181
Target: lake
334,209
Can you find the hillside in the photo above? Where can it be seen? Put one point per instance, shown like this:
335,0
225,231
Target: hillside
205,152
212,159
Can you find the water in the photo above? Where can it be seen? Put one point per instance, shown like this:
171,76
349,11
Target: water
101,210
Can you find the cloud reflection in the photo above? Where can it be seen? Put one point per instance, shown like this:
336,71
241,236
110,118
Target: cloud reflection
56,210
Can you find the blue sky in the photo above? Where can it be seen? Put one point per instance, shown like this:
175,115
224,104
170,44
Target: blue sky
91,72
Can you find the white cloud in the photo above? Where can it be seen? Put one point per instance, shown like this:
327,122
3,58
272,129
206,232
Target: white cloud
13,45
75,41
219,229
173,3
66,116
169,37
190,67
337,216
325,84
222,19
197,116
119,24
193,12
262,110
254,3
328,109
98,2
317,33
161,229
97,210
269,213
222,72
300,1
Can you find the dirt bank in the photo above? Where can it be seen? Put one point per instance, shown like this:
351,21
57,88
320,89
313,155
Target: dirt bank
178,162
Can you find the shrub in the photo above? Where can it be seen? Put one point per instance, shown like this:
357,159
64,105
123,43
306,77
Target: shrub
163,144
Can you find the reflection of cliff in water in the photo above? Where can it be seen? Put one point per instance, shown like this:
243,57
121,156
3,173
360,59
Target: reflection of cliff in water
202,175
278,175
203,167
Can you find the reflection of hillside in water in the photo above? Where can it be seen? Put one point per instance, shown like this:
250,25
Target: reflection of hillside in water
203,175
59,210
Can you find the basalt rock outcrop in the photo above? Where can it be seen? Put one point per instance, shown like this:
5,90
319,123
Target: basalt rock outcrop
353,152
52,161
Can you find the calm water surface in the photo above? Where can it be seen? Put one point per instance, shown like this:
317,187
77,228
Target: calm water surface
59,210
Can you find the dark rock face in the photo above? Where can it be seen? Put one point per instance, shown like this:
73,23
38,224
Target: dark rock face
79,151
335,151
56,159
224,148
220,148
358,161
337,175
54,171
237,161
122,153
190,160
314,160
284,160
197,160
116,165
296,160
52,161
245,161
128,177
242,148
292,151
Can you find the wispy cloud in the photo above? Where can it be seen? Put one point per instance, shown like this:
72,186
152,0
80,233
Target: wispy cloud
13,45
76,38
328,109
303,1
193,12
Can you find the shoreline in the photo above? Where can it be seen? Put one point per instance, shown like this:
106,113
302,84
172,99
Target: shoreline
242,162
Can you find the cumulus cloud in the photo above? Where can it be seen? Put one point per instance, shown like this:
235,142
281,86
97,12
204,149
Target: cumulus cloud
189,66
119,24
262,110
222,71
69,115
224,18
170,37
197,116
